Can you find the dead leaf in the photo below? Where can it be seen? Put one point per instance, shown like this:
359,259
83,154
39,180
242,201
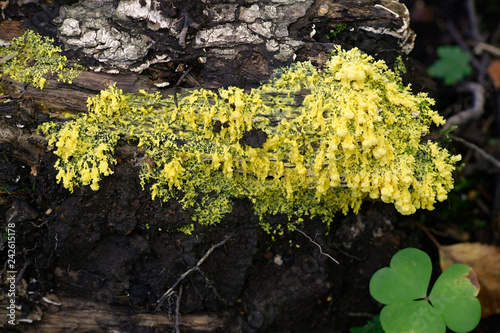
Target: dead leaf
485,261
494,71
10,29
4,4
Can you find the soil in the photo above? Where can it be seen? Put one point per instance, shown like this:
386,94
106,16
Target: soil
117,246
119,249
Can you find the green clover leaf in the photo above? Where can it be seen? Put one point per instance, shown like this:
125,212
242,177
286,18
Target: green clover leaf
452,65
403,288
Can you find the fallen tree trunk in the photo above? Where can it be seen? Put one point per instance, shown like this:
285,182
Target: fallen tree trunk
58,96
84,315
114,240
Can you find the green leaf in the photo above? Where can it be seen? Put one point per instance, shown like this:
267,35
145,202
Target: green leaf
411,316
407,279
453,64
454,297
403,287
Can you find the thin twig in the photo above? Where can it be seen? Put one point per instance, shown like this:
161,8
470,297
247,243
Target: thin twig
480,151
473,112
440,247
210,285
177,311
474,26
452,29
8,57
478,38
41,224
319,246
483,47
21,273
170,291
183,76
347,254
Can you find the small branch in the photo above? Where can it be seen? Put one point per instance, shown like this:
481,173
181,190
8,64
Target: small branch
170,291
8,57
212,249
474,26
428,233
177,311
471,113
480,151
347,254
445,250
211,286
483,47
461,42
319,246
183,76
41,224
183,34
21,273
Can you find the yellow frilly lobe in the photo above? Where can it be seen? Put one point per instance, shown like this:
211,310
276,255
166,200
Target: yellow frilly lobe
35,59
307,143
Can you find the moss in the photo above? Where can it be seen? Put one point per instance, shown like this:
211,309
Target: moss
335,32
34,59
307,143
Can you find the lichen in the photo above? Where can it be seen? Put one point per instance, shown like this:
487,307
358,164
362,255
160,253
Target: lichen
307,143
34,59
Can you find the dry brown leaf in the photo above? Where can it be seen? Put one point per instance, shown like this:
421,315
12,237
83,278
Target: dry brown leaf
10,29
485,260
494,71
4,4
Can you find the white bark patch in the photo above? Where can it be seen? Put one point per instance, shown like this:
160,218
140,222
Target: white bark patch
227,35
70,28
403,33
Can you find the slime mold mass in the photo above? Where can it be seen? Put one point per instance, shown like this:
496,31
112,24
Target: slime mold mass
308,142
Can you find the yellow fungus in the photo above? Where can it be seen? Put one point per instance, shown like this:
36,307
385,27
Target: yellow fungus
36,60
354,135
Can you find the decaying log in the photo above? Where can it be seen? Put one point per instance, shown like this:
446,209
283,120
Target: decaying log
230,42
226,43
83,315
18,127
29,147
73,97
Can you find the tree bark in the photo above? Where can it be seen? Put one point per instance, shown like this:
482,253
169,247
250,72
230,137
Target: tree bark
226,42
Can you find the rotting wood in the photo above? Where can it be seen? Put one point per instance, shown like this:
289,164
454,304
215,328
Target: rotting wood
239,42
222,65
83,315
73,97
96,81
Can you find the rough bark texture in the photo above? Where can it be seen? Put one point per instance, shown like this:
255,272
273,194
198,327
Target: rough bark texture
111,254
227,42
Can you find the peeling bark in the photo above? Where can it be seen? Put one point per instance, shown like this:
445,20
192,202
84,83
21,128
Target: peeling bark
135,35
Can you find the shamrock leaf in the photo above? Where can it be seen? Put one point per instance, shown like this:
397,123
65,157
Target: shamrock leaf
403,288
454,297
452,65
